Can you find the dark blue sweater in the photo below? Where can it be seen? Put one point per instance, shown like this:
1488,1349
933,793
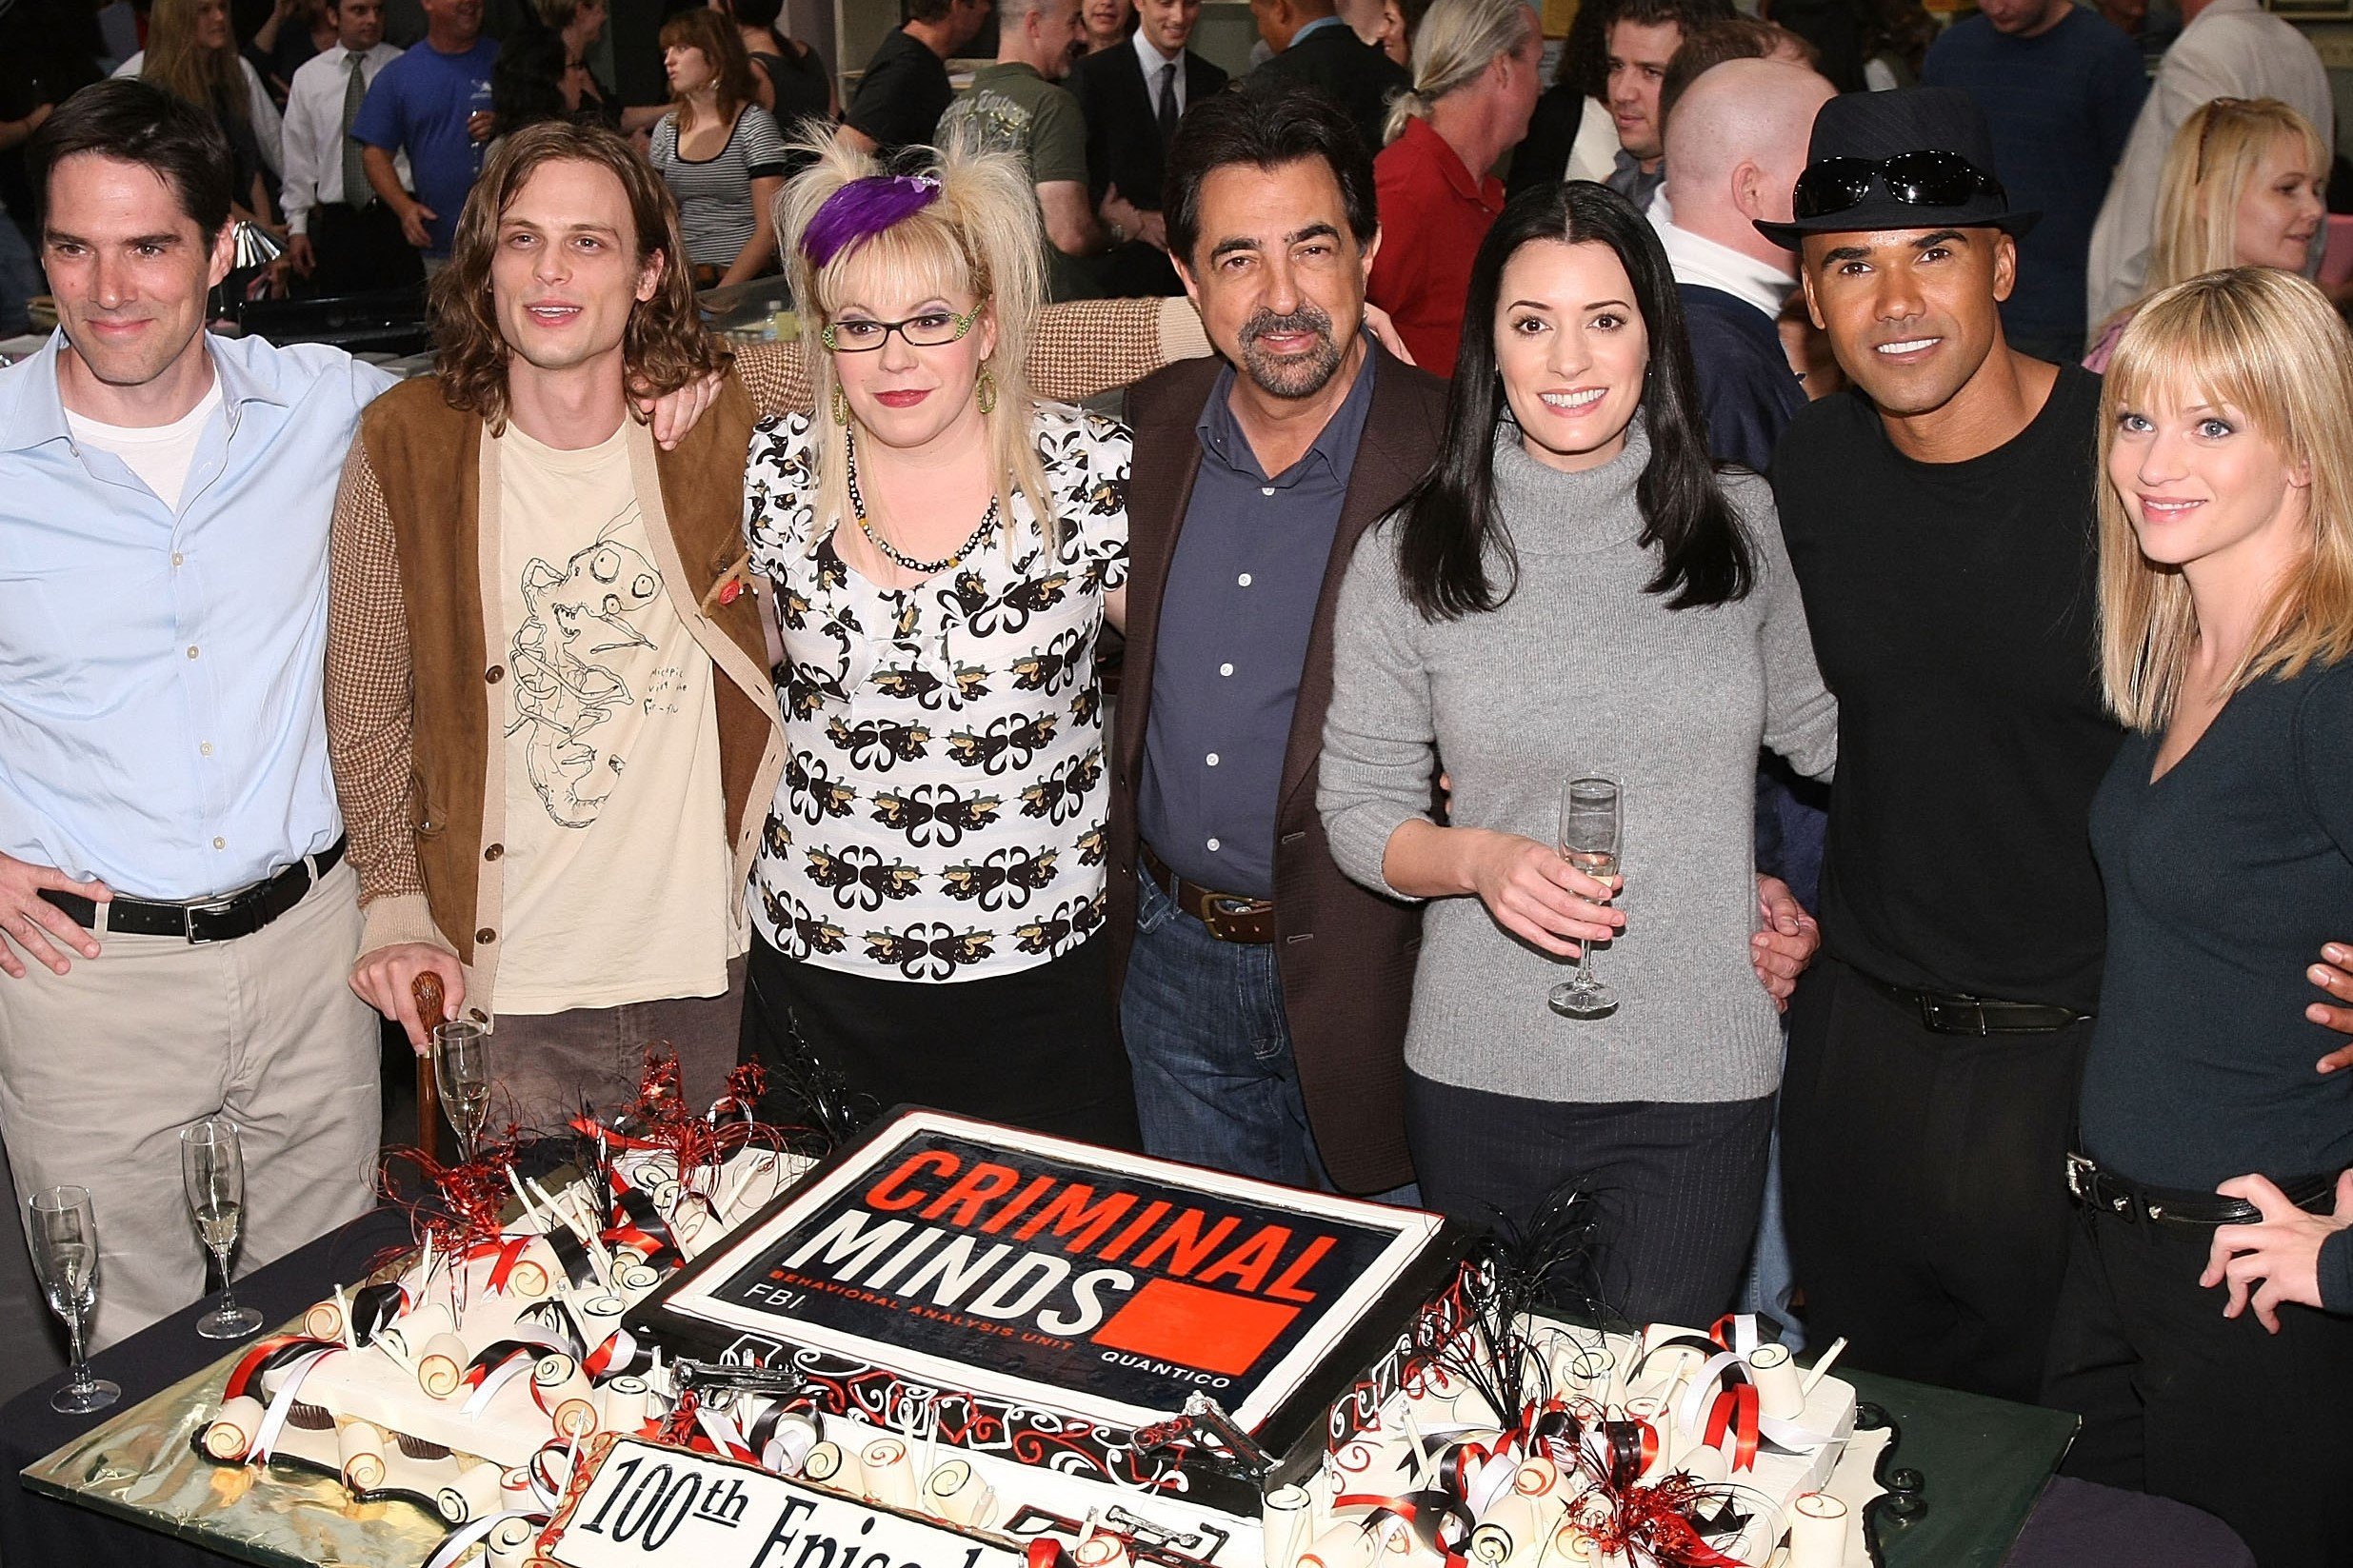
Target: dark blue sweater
1749,394
2060,107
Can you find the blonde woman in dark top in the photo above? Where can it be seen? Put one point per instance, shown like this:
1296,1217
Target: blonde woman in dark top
2214,1145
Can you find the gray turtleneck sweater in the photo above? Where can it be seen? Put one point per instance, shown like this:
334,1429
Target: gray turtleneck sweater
1581,671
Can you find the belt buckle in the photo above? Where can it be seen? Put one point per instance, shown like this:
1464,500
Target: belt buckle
1958,1008
2080,1173
190,914
1219,909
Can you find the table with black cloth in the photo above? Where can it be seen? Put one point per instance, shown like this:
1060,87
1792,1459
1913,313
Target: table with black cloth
1987,1464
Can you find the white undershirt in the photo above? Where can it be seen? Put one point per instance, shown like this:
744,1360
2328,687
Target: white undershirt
159,454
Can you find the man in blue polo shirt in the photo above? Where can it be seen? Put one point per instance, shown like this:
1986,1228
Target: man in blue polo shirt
434,103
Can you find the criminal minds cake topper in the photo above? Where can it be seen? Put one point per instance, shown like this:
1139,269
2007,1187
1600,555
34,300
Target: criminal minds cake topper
1110,1287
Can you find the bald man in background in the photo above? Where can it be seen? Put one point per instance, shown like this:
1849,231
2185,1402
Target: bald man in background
1735,146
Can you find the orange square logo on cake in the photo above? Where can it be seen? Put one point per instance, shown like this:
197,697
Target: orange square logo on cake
1212,1330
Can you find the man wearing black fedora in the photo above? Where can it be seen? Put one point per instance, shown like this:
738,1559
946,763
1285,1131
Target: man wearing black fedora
1939,519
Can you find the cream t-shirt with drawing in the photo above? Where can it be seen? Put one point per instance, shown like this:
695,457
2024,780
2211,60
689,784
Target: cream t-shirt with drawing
617,873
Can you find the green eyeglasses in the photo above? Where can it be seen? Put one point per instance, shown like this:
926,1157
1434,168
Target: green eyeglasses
932,330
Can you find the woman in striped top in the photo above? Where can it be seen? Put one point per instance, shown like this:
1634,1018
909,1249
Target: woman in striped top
718,150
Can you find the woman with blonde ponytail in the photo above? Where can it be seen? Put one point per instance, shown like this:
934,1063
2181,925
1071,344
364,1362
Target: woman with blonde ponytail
943,549
1476,78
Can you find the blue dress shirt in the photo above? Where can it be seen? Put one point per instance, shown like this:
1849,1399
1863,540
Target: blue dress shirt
1235,617
161,674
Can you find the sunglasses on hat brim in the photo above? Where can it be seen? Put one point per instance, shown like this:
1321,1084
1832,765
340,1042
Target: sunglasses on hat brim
1915,179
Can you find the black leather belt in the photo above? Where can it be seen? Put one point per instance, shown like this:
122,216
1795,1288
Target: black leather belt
2109,1193
225,918
1956,1013
1230,917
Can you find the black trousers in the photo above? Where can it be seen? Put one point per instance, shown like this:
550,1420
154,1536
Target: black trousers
1923,1179
359,252
2215,1412
1679,1185
1038,1048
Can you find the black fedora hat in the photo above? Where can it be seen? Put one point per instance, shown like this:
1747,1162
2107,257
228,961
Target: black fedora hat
1912,158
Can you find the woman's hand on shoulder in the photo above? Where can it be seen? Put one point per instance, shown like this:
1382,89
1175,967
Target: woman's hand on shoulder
2277,1259
1535,895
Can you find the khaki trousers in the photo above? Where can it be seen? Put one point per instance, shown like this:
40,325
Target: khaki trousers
102,1066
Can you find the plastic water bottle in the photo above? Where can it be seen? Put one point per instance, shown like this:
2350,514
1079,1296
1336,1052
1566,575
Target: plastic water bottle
478,103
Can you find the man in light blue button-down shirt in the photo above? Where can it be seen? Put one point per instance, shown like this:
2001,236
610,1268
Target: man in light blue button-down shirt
165,496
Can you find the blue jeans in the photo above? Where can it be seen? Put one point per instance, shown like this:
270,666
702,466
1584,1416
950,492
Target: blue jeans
1211,1048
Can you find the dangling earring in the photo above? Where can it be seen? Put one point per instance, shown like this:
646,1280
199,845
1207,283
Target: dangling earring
841,407
984,393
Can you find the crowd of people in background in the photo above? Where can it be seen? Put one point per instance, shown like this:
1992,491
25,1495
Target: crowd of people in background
1910,464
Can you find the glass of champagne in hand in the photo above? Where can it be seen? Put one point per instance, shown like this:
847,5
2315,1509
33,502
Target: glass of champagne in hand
461,1068
65,1257
212,1169
1589,829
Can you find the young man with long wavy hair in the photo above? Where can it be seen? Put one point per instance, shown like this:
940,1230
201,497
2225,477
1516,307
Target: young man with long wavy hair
549,711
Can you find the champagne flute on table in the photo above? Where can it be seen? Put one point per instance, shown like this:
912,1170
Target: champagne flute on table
64,1258
1590,837
461,1068
212,1169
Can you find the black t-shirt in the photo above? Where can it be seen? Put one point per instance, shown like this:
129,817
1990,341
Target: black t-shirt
902,94
1955,616
799,77
2224,879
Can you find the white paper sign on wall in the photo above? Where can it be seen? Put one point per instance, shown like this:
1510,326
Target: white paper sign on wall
648,1505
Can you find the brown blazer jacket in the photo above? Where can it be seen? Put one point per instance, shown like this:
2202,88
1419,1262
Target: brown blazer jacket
1346,953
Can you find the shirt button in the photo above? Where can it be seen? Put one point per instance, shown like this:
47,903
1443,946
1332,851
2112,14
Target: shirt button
1213,846
494,851
485,936
220,843
1265,490
191,651
1244,579
478,1015
1225,669
1213,758
205,748
177,559
494,674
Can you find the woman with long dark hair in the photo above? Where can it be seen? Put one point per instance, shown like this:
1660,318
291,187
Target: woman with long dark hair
1576,590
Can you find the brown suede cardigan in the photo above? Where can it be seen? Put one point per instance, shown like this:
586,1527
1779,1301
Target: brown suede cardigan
412,680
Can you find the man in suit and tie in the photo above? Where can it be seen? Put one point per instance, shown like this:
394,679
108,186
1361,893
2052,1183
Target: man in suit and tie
1313,48
1132,97
342,238
1264,994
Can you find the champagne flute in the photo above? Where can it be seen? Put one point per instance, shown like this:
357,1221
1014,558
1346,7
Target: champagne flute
212,1169
462,1068
1590,832
65,1257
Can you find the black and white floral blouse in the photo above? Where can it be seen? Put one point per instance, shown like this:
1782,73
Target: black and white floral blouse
942,812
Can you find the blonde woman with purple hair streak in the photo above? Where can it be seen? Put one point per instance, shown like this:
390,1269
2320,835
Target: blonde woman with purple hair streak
943,549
